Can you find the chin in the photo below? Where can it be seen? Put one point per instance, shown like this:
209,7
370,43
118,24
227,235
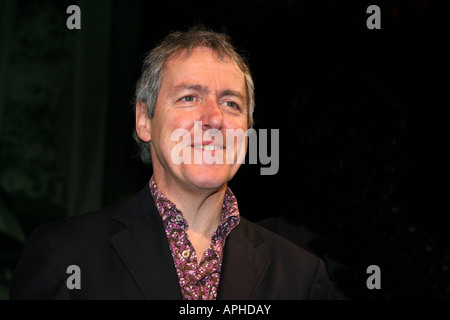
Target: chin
209,177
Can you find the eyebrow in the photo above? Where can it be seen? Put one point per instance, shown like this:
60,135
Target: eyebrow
203,89
194,87
232,93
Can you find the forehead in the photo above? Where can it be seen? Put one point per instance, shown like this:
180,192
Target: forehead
203,65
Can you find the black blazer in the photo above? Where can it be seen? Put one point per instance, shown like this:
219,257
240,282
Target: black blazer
123,253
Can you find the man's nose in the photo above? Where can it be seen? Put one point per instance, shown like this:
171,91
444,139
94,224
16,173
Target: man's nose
212,115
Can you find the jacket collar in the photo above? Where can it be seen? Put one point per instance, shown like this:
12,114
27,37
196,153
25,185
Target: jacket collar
243,267
143,247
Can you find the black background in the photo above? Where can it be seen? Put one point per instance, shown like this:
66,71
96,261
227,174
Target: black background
358,113
361,115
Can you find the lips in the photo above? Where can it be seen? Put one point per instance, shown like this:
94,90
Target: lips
208,146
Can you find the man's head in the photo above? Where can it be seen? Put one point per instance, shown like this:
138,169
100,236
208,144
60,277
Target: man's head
193,78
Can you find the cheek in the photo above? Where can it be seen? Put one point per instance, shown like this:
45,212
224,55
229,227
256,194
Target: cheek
236,140
236,125
172,130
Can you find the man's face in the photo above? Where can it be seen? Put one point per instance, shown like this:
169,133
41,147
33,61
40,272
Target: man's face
202,97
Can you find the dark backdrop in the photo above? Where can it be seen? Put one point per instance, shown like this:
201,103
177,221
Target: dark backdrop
360,112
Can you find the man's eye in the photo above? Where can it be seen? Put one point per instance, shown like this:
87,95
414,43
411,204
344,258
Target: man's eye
232,104
188,99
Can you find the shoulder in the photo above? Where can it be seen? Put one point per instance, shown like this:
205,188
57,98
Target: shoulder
98,225
52,247
84,227
292,272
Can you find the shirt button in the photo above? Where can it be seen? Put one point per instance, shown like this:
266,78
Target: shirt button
185,254
179,217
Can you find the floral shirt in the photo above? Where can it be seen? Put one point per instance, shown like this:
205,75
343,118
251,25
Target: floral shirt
197,281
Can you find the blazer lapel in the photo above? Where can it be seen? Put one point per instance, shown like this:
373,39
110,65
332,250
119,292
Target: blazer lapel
242,267
144,248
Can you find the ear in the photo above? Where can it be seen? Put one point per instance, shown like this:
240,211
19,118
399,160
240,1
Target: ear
143,125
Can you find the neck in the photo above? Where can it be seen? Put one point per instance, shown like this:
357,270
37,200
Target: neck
202,208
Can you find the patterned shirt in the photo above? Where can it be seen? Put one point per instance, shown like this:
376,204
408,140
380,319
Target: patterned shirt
197,281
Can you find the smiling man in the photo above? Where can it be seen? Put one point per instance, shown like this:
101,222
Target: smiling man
182,236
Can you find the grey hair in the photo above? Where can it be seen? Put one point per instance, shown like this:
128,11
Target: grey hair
149,84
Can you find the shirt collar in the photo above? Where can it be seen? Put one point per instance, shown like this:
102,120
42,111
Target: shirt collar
168,210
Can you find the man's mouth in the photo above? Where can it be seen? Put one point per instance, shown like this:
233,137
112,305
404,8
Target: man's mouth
208,147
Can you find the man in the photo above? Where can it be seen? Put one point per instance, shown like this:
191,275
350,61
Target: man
181,236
